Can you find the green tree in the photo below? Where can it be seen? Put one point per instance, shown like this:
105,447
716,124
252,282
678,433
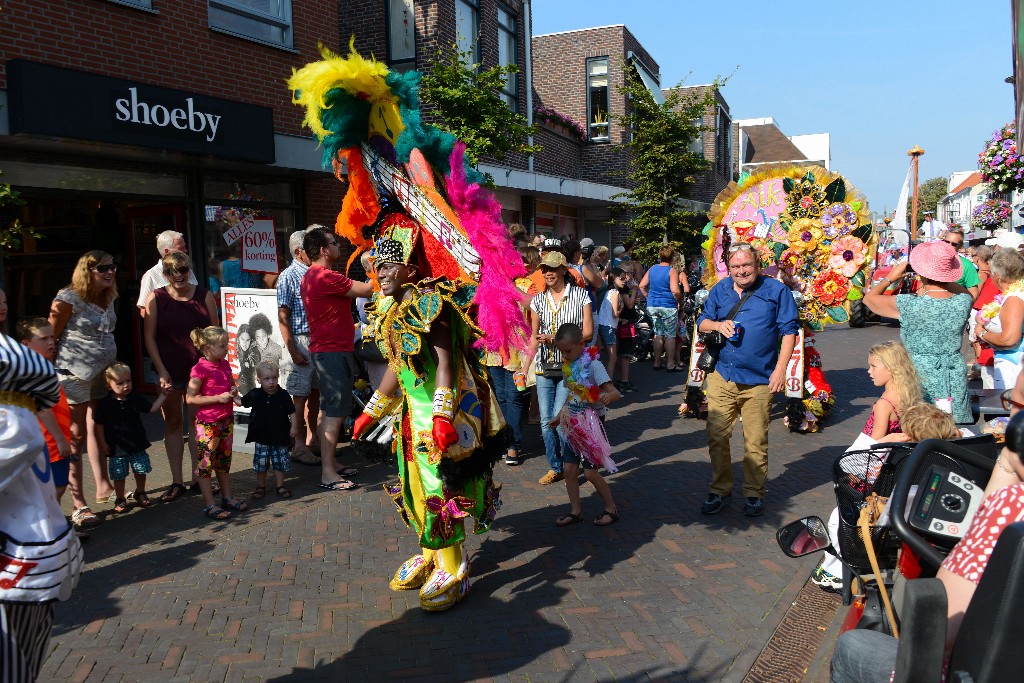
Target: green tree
928,195
467,98
661,165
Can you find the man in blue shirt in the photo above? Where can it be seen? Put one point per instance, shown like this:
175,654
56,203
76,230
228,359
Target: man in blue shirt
749,370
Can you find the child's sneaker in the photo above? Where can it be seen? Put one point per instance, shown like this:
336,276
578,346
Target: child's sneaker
826,581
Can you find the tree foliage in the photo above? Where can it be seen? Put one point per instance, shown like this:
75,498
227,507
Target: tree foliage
467,97
929,193
662,166
12,232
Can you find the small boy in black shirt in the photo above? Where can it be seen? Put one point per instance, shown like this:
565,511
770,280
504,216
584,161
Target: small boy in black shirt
270,428
121,435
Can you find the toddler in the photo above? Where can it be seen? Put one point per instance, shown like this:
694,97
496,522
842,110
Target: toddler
121,435
210,389
270,428
37,334
587,385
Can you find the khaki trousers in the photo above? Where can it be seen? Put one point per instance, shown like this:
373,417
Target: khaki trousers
726,402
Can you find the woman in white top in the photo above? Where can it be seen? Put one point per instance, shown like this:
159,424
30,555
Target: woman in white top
1004,332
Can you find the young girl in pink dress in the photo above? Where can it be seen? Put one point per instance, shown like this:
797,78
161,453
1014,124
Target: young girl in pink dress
211,388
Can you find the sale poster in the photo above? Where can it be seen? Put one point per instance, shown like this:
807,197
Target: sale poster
259,247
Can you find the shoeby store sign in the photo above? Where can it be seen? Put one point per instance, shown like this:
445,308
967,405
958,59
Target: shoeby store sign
125,112
259,244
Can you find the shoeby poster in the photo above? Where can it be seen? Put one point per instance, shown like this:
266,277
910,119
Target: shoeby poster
250,318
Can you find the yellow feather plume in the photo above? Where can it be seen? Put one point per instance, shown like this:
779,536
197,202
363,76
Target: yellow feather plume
361,77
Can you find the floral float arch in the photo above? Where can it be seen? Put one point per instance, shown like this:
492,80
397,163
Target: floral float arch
811,229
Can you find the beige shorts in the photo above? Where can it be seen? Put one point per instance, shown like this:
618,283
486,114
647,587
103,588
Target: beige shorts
299,380
80,390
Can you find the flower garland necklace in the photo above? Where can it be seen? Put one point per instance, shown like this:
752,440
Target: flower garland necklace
990,310
577,376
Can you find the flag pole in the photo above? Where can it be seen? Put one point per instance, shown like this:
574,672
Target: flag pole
915,155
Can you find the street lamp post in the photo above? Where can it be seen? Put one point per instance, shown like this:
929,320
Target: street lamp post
915,155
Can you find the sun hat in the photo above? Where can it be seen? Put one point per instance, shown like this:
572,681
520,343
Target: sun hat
553,259
937,261
1006,240
618,251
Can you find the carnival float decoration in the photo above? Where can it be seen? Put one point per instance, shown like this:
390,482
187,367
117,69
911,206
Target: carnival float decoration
811,229
414,203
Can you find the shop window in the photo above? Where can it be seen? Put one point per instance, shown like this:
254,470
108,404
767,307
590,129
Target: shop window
267,21
467,29
227,205
508,54
597,98
401,34
723,144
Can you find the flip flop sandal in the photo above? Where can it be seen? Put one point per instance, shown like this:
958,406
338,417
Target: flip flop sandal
348,472
282,492
568,520
610,515
340,485
120,506
216,512
234,504
141,498
173,492
84,517
258,492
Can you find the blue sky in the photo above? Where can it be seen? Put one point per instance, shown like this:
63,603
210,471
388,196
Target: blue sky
880,77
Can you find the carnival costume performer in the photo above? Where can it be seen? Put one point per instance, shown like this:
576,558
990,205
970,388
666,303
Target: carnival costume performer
446,269
41,557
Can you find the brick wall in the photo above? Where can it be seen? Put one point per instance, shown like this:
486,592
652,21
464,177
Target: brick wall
561,155
707,185
173,48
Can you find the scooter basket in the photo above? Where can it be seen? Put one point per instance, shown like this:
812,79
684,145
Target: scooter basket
856,475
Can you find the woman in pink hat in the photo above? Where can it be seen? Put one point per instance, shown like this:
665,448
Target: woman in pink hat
932,323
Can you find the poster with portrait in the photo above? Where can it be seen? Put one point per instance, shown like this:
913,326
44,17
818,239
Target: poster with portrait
250,318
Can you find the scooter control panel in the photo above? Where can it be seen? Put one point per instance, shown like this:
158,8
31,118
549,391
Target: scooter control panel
945,503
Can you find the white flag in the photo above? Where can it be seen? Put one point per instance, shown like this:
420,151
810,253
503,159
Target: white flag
899,220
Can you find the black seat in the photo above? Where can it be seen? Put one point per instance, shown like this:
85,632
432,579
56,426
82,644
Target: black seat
985,649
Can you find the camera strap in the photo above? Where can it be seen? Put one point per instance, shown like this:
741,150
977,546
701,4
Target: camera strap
738,306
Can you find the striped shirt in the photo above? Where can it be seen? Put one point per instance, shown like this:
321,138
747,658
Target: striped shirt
25,371
552,316
288,296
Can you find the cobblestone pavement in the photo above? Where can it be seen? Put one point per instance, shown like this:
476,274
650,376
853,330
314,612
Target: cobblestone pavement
297,589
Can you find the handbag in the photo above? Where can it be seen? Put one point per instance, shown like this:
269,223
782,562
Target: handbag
714,341
626,330
875,619
552,371
368,352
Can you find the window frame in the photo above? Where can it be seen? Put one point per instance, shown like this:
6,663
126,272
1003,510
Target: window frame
283,22
474,7
511,96
144,5
404,63
608,124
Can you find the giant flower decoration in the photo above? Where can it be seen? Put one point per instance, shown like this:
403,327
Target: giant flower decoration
830,288
848,255
791,261
806,199
804,236
838,219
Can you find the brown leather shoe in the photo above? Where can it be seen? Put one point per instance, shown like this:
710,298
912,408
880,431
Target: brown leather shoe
551,477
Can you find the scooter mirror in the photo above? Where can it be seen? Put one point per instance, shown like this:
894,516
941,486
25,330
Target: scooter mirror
803,537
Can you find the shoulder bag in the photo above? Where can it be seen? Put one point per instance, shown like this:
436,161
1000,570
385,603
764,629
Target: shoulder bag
715,340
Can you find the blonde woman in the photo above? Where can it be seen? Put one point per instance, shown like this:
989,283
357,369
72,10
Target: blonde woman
83,320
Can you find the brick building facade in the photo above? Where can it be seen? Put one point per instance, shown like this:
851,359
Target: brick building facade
103,130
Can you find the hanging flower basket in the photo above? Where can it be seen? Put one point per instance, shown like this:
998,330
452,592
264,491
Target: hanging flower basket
1000,164
991,214
560,122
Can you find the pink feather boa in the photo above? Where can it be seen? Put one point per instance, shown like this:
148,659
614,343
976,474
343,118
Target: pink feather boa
498,301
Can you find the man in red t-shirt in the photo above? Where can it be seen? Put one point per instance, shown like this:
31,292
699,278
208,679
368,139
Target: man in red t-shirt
327,297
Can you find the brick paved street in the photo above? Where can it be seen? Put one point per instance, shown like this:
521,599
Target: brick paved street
296,590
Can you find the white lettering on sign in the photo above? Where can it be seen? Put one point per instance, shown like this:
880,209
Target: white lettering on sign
238,229
259,247
131,109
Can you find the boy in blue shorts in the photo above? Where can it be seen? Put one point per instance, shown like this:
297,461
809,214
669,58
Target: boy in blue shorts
270,428
121,435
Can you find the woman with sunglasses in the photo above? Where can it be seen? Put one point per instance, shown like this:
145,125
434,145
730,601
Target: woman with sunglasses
172,312
83,319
